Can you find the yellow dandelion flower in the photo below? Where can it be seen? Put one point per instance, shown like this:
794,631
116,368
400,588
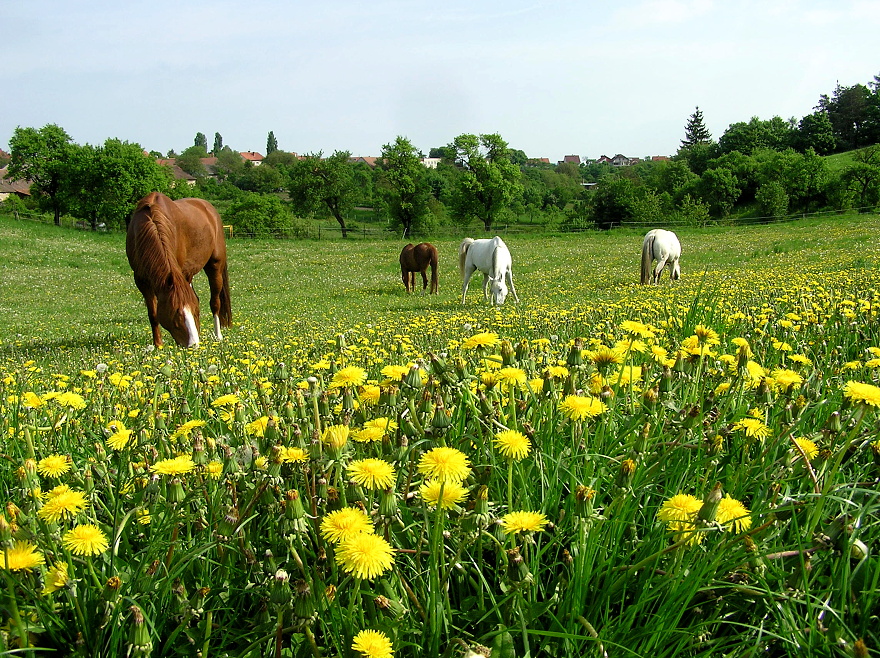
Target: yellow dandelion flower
394,372
62,503
336,436
372,473
348,376
85,540
753,428
809,448
187,428
344,523
70,399
706,335
445,464
258,426
294,455
175,466
365,555
214,469
681,507
228,400
523,521
445,494
637,329
511,376
56,577
786,379
54,466
578,407
485,339
733,515
604,356
512,444
372,644
32,401
22,556
801,359
860,393
119,435
370,393
556,372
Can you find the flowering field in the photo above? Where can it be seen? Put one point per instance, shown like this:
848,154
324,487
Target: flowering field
605,469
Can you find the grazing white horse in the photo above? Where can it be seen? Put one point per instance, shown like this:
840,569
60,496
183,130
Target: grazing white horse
492,258
663,246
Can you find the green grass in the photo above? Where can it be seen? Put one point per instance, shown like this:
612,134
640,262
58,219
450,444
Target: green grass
234,566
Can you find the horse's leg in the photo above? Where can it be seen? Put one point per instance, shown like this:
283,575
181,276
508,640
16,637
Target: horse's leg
215,282
404,275
659,269
424,279
510,282
676,271
485,287
467,278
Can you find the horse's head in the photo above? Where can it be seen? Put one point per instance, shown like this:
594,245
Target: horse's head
177,309
499,290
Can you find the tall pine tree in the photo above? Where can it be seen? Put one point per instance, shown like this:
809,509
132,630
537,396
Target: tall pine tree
218,144
695,132
201,140
271,143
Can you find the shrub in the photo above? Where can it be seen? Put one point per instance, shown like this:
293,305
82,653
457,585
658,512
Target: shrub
258,215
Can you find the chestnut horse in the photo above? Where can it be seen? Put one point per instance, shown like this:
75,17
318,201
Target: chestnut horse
417,259
167,243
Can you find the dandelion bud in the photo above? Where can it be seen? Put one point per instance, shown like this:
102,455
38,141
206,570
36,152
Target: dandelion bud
666,380
303,601
460,367
691,418
583,501
413,378
438,365
650,397
575,358
288,411
517,569
860,649
281,372
140,645
709,509
228,523
5,529
523,350
176,494
239,413
625,474
442,418
390,607
279,588
166,370
388,504
324,404
859,550
184,408
834,424
507,353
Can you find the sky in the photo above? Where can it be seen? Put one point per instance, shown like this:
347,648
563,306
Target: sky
552,78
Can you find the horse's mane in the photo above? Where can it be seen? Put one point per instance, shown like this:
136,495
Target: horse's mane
154,244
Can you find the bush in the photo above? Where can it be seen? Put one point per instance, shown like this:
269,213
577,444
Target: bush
772,200
257,215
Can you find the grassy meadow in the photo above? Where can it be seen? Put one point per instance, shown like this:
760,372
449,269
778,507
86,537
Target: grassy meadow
605,469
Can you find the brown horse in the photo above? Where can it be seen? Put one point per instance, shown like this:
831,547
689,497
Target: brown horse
417,259
168,242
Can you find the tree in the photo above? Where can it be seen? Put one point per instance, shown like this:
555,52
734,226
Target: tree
613,202
191,161
404,184
218,144
201,141
39,156
489,181
776,134
229,163
695,132
264,179
104,183
719,188
815,132
319,184
271,144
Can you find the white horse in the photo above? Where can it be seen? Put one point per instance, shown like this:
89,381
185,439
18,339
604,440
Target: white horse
492,258
663,246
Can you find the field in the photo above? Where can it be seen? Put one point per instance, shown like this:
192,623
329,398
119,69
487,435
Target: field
604,469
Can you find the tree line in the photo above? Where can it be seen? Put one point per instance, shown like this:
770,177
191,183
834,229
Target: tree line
766,168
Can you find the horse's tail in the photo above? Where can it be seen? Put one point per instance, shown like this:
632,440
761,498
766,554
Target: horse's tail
462,253
647,257
225,301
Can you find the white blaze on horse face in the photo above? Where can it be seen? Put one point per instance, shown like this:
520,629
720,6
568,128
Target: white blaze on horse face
190,323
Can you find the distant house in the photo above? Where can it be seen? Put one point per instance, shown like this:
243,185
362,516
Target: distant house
252,156
366,159
603,159
8,186
431,163
177,172
620,160
660,158
537,162
573,159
